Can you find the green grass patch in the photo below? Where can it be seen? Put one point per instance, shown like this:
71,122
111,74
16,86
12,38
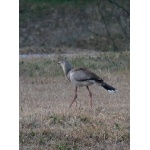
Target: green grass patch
66,137
43,67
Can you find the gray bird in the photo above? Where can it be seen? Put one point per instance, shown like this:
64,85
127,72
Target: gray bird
83,77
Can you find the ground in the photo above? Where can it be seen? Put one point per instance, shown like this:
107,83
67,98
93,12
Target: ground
47,122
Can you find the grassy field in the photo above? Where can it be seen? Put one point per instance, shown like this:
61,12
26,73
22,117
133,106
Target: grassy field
47,123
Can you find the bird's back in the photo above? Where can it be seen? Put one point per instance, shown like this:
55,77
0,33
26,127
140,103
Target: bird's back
83,75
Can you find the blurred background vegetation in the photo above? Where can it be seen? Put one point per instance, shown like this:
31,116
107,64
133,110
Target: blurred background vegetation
50,26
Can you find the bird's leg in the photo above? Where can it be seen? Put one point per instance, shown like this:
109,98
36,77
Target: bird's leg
74,98
90,94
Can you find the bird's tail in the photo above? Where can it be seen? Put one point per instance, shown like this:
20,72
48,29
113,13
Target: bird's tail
108,87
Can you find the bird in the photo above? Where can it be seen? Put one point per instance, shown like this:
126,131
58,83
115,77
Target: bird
83,77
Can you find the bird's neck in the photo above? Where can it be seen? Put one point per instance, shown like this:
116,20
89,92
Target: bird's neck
66,70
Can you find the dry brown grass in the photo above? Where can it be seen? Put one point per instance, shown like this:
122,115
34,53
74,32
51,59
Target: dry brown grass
46,122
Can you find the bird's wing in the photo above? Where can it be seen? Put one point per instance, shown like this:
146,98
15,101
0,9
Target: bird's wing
83,74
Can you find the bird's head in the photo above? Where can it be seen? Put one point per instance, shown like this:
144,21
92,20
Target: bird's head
66,66
62,63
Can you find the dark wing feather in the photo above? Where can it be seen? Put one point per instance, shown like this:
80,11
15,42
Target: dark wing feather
83,74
